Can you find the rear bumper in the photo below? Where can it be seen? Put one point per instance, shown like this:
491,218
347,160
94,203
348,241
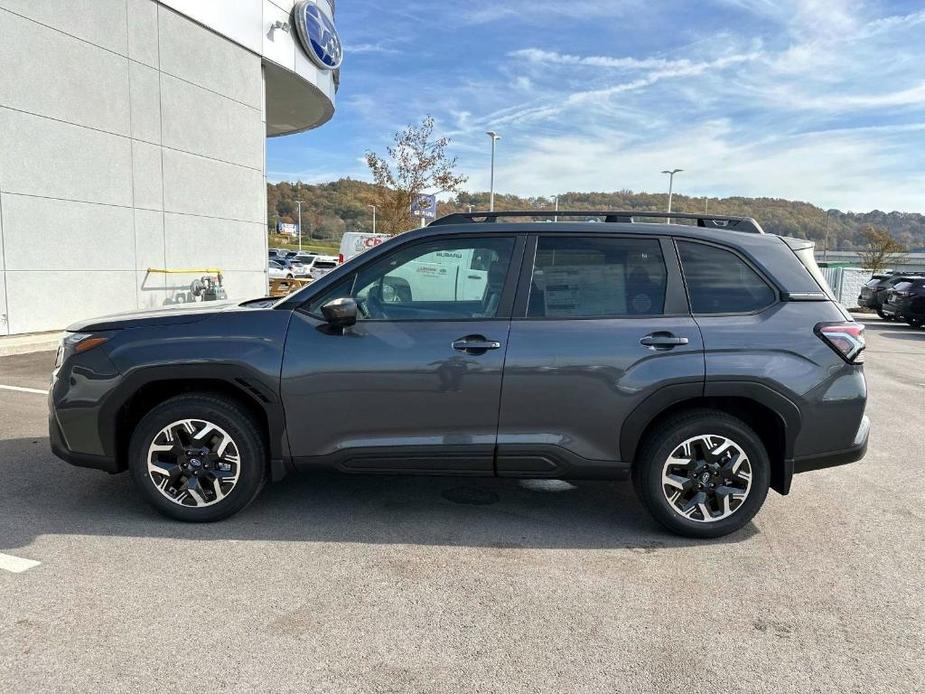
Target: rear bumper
855,452
893,309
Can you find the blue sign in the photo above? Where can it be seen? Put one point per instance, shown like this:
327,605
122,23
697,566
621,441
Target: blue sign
425,206
317,35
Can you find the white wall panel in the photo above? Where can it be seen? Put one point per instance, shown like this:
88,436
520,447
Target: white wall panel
203,242
142,31
101,22
149,239
70,234
4,316
66,297
147,176
146,102
235,134
39,156
195,185
201,57
239,20
52,74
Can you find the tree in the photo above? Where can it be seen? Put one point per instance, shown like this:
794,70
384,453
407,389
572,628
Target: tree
881,250
414,164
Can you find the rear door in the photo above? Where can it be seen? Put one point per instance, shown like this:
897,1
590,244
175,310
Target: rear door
600,324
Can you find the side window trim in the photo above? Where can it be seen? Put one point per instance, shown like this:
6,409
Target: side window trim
748,263
675,294
507,293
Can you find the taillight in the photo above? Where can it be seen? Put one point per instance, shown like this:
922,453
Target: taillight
847,339
340,258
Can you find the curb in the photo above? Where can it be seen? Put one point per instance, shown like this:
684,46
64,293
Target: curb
27,344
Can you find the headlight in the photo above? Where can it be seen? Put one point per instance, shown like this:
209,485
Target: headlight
75,343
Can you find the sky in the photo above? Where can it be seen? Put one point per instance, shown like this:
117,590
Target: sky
816,100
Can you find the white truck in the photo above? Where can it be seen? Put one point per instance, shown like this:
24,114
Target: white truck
355,242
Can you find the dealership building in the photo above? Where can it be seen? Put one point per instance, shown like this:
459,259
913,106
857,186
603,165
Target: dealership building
133,146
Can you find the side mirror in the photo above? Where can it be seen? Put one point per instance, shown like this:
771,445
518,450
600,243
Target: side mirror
340,313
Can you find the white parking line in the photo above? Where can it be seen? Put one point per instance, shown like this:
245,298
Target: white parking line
20,389
16,564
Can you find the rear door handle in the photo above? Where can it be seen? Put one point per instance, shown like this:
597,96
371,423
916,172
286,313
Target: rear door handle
475,344
663,340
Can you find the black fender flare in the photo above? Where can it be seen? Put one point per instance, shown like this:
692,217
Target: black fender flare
250,383
676,394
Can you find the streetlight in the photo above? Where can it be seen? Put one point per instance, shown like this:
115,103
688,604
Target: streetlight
299,202
556,218
825,252
670,187
374,217
491,195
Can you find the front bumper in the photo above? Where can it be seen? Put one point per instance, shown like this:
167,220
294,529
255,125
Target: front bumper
60,448
855,452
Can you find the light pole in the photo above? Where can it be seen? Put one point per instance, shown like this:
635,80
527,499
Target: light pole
299,202
491,195
671,187
374,217
556,218
825,252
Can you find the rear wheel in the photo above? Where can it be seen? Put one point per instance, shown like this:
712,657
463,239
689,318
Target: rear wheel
883,315
914,322
198,458
702,474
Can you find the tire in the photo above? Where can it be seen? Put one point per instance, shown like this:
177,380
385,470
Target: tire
224,480
914,322
882,314
703,430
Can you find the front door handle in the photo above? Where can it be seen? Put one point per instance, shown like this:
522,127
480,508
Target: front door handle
662,340
475,344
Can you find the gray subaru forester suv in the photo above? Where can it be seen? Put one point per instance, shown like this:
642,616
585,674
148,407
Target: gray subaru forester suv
707,363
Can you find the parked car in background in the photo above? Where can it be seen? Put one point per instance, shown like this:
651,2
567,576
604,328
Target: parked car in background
278,269
298,266
355,242
906,301
321,266
706,363
873,294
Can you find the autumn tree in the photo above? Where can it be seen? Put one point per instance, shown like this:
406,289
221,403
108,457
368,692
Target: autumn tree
881,250
415,163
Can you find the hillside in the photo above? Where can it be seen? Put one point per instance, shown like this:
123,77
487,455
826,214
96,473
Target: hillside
329,209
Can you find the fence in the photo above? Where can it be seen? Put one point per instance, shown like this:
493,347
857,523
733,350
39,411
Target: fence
846,283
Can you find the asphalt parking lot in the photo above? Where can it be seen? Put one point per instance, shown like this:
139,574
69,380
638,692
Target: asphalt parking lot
438,584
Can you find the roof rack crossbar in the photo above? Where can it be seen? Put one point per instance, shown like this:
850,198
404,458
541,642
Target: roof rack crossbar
711,221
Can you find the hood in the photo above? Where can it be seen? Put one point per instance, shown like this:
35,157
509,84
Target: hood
170,315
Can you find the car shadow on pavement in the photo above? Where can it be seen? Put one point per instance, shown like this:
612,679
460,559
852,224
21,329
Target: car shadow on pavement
47,496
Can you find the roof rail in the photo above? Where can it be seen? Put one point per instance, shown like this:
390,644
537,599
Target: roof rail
710,221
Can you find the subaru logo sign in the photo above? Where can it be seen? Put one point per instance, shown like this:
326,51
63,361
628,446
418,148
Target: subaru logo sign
317,35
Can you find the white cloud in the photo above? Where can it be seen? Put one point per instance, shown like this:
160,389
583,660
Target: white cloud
831,168
357,48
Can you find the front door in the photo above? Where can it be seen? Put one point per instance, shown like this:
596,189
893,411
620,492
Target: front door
415,385
601,324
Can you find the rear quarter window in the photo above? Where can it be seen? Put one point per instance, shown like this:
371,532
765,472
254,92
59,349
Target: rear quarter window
719,281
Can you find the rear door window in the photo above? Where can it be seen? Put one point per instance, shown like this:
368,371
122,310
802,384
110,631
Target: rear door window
719,281
597,278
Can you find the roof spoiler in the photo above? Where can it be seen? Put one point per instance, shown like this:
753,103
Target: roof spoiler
710,221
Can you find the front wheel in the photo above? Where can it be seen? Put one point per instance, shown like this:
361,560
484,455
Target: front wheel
914,322
198,458
702,474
